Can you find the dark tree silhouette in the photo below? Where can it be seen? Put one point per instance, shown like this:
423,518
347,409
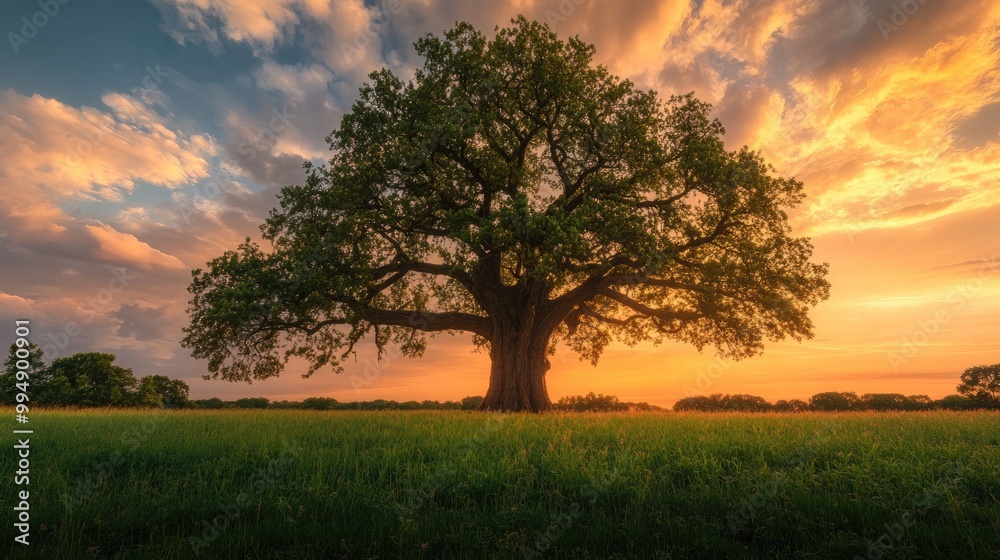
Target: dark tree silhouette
954,402
834,401
471,402
166,392
591,402
515,191
88,379
982,385
32,375
793,405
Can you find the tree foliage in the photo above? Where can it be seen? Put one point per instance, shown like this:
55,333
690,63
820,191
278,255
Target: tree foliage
982,385
834,401
9,378
723,403
893,401
822,402
590,403
791,405
252,402
471,402
515,191
88,379
171,393
954,402
600,403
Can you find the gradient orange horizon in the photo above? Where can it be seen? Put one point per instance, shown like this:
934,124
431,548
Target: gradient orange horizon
912,332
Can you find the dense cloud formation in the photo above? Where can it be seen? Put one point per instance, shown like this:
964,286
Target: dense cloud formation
889,111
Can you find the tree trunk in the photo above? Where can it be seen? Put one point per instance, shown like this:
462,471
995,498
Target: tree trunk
519,362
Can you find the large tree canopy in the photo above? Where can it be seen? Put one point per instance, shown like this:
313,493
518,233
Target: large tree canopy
516,191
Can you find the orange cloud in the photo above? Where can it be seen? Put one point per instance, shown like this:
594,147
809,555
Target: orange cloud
54,150
116,246
56,153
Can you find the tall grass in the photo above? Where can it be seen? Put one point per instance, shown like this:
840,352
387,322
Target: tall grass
304,484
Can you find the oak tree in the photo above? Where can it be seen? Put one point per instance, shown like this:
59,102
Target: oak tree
516,191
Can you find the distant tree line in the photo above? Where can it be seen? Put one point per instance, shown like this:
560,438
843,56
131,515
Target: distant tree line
600,403
979,389
87,379
582,403
326,403
91,379
826,402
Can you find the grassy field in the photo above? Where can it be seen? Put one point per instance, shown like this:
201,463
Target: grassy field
309,485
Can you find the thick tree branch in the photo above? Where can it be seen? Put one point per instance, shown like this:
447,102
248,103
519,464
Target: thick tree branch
721,227
573,319
419,320
665,202
656,313
462,277
431,321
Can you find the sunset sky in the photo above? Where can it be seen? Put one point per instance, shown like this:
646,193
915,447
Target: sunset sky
140,140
